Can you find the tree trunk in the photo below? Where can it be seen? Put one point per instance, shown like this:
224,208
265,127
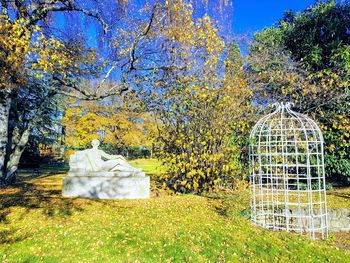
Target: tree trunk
17,141
5,103
15,156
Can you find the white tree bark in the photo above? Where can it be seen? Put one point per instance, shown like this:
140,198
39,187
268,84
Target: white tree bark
32,12
5,103
15,156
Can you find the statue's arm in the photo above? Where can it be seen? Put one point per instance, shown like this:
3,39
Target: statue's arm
111,157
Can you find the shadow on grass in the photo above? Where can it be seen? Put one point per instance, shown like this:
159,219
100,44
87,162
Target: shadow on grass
10,236
30,195
229,205
340,194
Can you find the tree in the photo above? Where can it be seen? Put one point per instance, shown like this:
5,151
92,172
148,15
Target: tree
34,107
305,59
48,58
319,39
137,45
198,109
117,122
24,50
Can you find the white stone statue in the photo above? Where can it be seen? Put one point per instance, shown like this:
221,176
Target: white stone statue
96,174
95,160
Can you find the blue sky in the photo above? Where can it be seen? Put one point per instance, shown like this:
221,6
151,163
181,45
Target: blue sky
243,18
252,15
246,16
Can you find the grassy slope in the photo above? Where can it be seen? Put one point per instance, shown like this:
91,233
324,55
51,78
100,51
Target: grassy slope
36,224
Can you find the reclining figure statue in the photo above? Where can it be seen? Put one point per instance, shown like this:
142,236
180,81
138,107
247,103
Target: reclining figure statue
95,161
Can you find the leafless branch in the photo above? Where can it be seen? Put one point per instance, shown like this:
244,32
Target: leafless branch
141,36
4,9
85,95
170,67
41,11
99,86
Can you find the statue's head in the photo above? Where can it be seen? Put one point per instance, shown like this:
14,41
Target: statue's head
95,143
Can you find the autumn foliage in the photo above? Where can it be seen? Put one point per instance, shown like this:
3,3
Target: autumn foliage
14,46
85,121
201,110
305,59
194,96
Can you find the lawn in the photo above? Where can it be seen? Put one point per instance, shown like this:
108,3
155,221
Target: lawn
150,166
38,225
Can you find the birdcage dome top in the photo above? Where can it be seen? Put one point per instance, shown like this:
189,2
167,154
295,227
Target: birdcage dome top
285,121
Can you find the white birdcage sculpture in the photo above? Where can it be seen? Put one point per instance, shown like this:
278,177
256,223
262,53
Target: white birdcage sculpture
287,179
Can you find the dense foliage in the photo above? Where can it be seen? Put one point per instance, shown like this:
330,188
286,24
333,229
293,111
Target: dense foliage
306,59
193,94
113,122
203,112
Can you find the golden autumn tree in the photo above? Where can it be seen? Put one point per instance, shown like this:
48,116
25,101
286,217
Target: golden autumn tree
199,106
145,41
48,58
27,56
114,124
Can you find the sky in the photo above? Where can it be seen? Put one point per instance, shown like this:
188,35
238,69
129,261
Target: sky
250,16
253,15
244,17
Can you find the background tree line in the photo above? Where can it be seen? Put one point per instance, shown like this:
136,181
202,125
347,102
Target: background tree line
305,58
132,43
165,78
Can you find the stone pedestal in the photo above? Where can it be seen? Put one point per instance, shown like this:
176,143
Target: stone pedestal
106,186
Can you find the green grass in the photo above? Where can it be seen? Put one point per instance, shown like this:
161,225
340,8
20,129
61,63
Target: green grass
38,225
150,166
339,198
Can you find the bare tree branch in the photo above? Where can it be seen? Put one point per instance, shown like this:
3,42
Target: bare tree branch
85,95
99,86
170,67
42,10
4,9
140,37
